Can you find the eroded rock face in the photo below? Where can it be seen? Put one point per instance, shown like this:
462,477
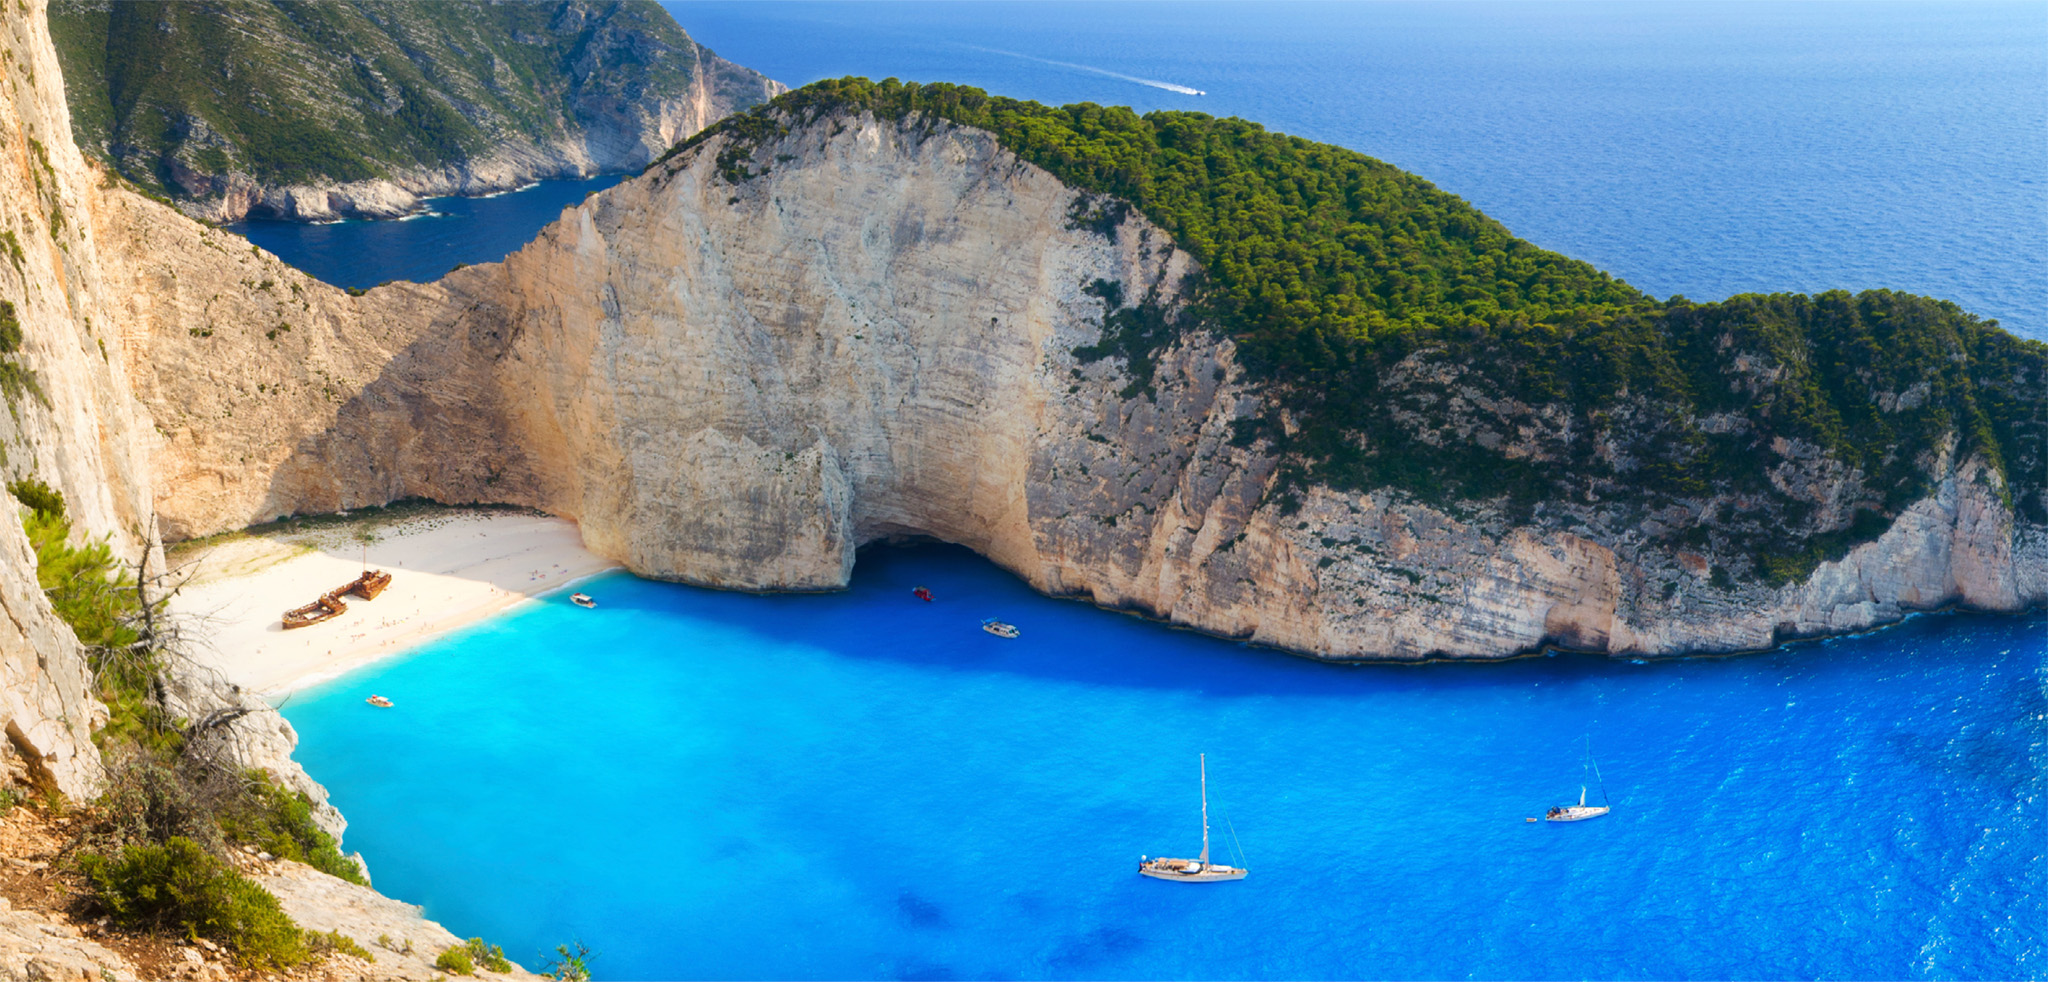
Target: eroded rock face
71,422
35,947
64,268
739,384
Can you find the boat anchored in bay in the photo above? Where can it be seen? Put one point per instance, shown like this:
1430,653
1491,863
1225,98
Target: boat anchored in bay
1198,870
999,629
1582,811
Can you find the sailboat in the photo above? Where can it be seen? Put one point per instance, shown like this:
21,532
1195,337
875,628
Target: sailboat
1192,870
1582,811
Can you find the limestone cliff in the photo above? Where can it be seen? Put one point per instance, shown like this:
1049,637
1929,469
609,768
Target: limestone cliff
73,422
70,421
358,108
739,383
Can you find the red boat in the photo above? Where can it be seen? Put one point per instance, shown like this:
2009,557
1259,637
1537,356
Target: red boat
922,594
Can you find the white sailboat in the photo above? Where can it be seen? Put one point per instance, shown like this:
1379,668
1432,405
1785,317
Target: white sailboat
1198,870
1582,811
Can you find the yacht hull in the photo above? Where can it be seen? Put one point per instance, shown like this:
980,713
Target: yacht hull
1577,813
1188,871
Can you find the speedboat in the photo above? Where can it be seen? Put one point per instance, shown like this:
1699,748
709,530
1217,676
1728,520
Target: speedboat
999,629
922,594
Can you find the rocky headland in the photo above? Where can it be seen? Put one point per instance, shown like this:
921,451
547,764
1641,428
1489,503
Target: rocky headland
360,110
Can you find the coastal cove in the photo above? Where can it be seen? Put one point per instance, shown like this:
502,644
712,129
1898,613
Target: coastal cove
867,411
703,784
360,254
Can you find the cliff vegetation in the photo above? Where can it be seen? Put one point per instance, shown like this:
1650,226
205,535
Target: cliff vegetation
178,95
156,848
1403,339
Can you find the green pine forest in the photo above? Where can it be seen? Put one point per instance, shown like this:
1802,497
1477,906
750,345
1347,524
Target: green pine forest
1329,269
305,90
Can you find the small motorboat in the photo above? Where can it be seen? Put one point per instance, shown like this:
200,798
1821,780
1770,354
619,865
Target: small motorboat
999,629
582,600
922,594
379,701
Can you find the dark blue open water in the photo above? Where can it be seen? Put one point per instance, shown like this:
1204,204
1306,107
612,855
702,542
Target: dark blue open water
425,247
859,785
854,785
1702,149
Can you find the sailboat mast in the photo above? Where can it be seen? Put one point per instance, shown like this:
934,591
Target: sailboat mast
1205,809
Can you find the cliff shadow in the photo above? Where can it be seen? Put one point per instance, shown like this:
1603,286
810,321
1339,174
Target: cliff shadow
879,617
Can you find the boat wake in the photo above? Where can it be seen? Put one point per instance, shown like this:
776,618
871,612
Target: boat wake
1153,82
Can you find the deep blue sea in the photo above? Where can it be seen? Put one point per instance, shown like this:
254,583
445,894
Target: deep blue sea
854,785
862,785
1689,148
424,247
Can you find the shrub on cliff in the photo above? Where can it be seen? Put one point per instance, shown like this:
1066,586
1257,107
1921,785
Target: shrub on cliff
10,328
96,595
37,496
569,966
179,887
455,961
490,956
280,821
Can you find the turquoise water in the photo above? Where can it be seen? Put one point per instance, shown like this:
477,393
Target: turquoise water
707,785
853,785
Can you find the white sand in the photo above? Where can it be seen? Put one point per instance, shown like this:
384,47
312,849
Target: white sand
449,567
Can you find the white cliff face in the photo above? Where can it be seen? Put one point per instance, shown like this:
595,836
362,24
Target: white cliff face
739,385
64,243
72,423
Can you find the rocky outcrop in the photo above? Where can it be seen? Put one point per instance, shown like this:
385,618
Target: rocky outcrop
35,946
365,108
402,942
740,384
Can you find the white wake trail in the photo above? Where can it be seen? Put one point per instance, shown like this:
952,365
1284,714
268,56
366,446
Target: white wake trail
1153,82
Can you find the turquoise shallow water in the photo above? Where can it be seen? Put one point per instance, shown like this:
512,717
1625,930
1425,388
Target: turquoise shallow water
859,784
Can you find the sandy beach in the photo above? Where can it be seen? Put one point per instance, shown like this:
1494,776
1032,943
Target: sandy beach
450,567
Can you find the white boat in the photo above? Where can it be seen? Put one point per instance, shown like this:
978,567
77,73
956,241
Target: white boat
582,600
1198,870
1575,813
1582,811
998,628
